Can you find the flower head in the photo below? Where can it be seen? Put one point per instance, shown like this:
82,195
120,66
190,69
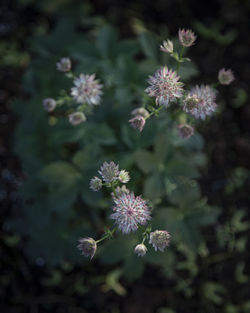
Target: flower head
129,211
225,77
185,131
124,176
140,111
49,104
159,239
87,246
165,86
138,122
167,46
186,37
109,171
64,65
119,191
77,118
140,250
200,101
95,183
87,90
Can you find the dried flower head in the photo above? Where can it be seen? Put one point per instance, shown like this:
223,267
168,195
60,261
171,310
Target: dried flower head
87,246
129,211
95,184
165,86
186,37
138,122
77,118
200,101
140,111
159,239
64,65
109,172
185,131
49,104
167,46
140,250
119,191
124,176
225,77
87,90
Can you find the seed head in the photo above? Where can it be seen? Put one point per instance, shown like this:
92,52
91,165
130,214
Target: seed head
87,246
49,104
225,77
186,37
124,176
87,90
95,184
140,250
64,65
129,211
138,122
77,118
159,239
109,172
185,131
140,111
164,86
167,46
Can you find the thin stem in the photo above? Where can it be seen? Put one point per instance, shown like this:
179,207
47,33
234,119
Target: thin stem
180,59
107,235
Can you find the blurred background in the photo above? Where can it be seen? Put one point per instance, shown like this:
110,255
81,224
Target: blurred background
215,280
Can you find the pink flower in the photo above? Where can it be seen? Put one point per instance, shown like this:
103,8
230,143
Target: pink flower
138,122
186,37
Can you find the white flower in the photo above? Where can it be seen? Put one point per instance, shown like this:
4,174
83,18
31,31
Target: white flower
159,239
77,118
109,171
64,65
140,250
49,104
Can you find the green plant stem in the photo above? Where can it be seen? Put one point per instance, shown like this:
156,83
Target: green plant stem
180,59
107,235
154,112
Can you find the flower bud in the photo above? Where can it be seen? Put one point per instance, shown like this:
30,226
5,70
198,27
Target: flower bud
77,118
138,122
159,239
185,131
49,104
119,191
167,46
87,246
186,37
140,111
64,65
225,77
95,184
124,176
140,250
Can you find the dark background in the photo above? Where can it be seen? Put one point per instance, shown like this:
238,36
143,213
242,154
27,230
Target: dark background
223,40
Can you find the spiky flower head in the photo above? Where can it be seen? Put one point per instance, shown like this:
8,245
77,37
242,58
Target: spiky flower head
167,46
186,37
87,246
200,101
49,104
95,184
165,86
64,65
119,191
77,118
140,111
129,211
138,122
109,172
225,77
124,176
87,90
159,239
140,250
185,131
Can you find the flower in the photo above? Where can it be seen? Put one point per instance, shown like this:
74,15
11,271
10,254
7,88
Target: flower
164,85
77,118
186,37
95,183
64,65
109,171
159,239
167,46
138,122
119,191
87,90
49,104
185,131
140,250
124,176
87,246
200,101
129,211
225,77
140,111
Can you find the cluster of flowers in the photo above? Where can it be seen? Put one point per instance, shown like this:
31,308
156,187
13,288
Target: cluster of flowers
130,212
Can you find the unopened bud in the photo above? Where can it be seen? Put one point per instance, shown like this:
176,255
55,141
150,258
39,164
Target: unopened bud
167,46
124,176
95,184
77,118
64,65
87,246
138,122
185,131
225,77
140,111
49,104
140,250
186,37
